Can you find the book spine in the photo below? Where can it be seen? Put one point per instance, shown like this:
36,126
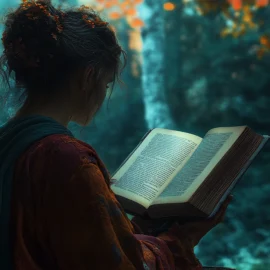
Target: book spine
140,142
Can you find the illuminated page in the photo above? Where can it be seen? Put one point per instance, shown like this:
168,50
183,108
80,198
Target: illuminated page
153,165
213,147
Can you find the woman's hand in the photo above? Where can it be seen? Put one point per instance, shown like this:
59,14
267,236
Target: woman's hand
151,226
196,230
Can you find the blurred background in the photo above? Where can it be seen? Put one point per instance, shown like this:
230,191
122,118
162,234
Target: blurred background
192,65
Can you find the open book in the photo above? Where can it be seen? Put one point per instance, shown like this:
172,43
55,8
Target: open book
176,174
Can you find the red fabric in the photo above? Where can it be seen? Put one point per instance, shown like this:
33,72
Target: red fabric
65,216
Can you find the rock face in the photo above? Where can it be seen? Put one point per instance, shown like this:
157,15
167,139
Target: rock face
208,81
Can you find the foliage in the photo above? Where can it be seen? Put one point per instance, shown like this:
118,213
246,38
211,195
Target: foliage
217,74
261,266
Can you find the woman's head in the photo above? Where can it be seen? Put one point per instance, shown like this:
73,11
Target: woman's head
56,54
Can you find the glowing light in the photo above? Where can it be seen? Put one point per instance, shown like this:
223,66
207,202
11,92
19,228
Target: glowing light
169,6
236,4
262,3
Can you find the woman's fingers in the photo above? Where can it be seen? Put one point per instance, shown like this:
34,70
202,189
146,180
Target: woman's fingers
222,211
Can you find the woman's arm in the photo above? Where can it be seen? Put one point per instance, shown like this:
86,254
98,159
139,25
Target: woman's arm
88,229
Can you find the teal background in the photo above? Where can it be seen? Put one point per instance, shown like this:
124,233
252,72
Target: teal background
188,77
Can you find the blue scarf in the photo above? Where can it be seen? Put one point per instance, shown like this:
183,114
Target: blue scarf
15,138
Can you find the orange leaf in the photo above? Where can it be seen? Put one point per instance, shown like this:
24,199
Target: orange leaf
169,6
262,3
108,5
115,15
236,4
265,41
136,23
131,12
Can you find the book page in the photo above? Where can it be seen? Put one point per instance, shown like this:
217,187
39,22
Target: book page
212,148
153,164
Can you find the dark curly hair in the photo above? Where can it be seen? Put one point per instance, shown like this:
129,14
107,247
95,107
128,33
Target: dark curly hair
44,45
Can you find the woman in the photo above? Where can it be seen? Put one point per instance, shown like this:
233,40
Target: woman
57,209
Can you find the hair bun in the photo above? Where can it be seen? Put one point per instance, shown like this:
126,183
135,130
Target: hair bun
45,47
31,34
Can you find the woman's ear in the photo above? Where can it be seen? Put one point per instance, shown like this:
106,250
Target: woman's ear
88,75
83,78
88,83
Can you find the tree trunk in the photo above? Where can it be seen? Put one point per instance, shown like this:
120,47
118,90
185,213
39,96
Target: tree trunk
157,111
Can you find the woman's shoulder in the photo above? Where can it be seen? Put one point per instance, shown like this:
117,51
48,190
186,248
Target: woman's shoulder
58,150
56,162
61,144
